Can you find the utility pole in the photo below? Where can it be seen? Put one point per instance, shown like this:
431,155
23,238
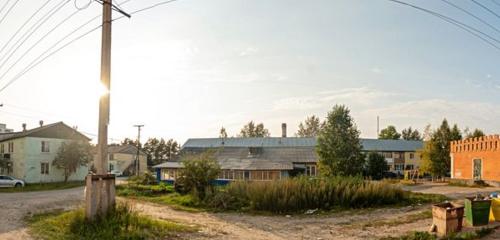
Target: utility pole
137,163
100,188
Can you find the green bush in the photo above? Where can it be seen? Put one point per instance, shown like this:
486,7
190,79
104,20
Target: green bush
144,190
299,194
144,179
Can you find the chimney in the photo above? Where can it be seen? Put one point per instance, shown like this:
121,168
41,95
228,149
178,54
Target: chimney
24,127
41,123
283,130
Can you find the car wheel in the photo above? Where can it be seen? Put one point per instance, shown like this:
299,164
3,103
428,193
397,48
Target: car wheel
18,185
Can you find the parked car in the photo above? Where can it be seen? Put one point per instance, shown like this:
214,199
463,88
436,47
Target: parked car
116,172
390,175
8,181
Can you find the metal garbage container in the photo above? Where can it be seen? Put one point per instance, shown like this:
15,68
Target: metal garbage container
477,211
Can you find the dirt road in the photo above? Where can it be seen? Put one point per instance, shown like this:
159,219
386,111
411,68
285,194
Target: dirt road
356,224
15,206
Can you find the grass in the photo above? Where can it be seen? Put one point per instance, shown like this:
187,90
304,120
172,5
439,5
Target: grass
161,194
478,234
122,223
44,187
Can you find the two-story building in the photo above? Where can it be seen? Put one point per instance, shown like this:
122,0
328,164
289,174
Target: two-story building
123,158
28,154
272,158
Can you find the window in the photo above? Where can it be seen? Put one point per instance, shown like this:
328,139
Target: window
111,167
412,155
45,146
10,147
387,154
44,168
409,167
247,175
398,167
310,170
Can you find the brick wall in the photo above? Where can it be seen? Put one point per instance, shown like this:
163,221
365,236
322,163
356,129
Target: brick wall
485,148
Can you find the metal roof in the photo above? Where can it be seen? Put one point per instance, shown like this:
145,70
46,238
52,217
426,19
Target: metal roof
368,144
55,127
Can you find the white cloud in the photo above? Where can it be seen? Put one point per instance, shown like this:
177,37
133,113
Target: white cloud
376,70
325,99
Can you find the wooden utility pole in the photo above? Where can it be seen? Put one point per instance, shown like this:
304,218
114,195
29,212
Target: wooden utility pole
100,188
137,165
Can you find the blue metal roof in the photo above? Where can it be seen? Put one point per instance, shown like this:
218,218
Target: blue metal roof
368,144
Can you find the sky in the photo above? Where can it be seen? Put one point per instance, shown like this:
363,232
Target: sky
187,68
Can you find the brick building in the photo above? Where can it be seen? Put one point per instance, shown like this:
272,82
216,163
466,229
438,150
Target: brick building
476,159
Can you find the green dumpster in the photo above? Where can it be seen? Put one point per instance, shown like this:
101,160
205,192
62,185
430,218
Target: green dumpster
477,211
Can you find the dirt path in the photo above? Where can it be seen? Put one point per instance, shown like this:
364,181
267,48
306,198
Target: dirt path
450,191
15,206
357,224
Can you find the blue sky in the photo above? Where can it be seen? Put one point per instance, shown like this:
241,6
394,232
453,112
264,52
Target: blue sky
187,68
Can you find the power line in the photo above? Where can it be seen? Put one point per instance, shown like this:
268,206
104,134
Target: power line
34,27
5,5
37,42
486,8
471,14
146,8
8,11
24,24
458,24
34,64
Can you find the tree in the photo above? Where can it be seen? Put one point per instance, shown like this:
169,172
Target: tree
159,150
389,132
199,172
410,134
425,157
376,166
440,150
128,141
71,156
476,133
338,146
252,130
427,133
222,133
310,127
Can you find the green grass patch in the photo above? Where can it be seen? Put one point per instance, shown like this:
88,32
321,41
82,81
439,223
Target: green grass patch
44,187
121,223
478,234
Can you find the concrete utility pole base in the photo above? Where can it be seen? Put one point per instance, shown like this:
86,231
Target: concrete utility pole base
99,194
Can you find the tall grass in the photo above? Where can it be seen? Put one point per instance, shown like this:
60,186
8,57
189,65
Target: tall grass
120,223
298,194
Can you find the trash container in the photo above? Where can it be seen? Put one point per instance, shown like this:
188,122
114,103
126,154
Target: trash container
447,217
477,211
495,210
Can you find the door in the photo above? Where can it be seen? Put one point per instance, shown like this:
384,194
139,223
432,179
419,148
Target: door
478,169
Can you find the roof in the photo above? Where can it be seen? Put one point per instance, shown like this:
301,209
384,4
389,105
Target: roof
54,130
127,149
368,144
249,142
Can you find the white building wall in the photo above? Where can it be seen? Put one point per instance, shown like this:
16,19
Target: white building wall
34,157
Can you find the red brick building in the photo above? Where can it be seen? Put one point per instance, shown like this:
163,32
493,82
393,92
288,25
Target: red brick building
476,159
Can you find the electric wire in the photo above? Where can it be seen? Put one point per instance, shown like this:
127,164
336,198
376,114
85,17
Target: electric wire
472,15
32,30
24,24
486,8
5,5
8,10
29,67
37,42
477,33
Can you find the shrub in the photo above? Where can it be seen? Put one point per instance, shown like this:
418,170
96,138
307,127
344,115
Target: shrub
144,179
376,166
144,190
298,194
198,173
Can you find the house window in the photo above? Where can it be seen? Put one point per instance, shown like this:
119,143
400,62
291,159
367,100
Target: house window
247,175
45,146
399,167
44,168
111,167
409,167
10,147
412,155
387,154
310,170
